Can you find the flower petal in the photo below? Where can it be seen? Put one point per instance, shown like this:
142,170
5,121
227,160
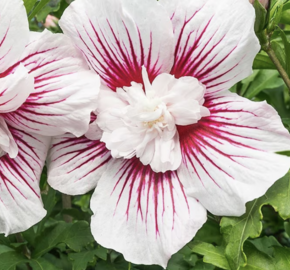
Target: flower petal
15,89
144,215
20,200
118,38
65,90
209,43
229,157
7,142
76,164
14,32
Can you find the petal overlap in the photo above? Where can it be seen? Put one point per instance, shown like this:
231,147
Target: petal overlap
118,38
208,41
7,142
65,90
76,164
20,199
143,214
15,89
229,157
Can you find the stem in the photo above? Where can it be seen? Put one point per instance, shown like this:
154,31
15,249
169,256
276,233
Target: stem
26,250
265,41
66,204
278,65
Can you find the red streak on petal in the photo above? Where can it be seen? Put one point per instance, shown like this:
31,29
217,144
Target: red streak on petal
148,190
199,140
118,64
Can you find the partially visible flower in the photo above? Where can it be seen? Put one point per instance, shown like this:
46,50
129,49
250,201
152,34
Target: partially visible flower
181,142
265,3
46,89
51,21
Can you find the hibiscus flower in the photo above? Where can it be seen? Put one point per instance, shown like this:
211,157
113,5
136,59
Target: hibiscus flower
170,141
46,89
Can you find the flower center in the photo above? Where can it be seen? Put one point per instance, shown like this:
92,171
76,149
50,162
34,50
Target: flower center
150,124
140,120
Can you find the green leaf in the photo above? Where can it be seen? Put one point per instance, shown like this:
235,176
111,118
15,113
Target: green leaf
286,122
285,18
182,260
237,230
279,52
203,266
49,201
210,233
258,260
261,16
265,244
60,262
52,6
41,4
262,61
4,240
42,264
282,258
123,265
259,81
102,252
277,97
275,14
75,236
81,260
4,249
213,255
287,50
9,260
29,4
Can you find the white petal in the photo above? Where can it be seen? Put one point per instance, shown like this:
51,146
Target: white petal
94,132
118,37
7,142
15,89
76,164
144,215
65,90
183,97
167,154
229,157
14,32
209,43
20,200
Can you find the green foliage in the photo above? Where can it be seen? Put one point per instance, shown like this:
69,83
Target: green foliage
39,6
276,10
237,230
212,254
29,4
75,236
261,17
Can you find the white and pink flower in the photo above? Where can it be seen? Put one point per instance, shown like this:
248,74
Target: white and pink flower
169,140
46,89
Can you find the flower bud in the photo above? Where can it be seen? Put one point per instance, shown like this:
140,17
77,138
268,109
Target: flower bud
51,22
265,3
